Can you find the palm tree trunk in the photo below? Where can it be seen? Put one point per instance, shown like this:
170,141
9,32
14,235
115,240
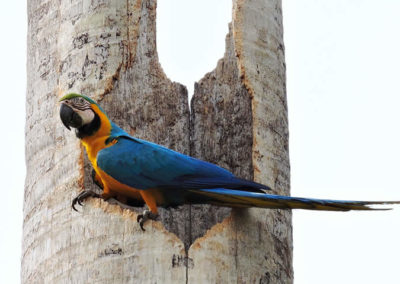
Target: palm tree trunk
107,50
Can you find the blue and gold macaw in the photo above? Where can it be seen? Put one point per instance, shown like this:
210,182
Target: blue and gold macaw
129,168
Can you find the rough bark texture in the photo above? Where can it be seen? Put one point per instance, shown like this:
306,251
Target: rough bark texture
107,50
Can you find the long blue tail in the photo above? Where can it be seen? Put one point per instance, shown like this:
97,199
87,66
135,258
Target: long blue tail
237,198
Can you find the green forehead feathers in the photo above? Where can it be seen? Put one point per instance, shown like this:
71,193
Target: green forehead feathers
73,95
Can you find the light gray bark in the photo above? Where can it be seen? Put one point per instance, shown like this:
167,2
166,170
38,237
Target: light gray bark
107,50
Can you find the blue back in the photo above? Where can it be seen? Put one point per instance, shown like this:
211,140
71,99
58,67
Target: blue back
144,165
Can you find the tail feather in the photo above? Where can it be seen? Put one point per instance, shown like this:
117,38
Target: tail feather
237,198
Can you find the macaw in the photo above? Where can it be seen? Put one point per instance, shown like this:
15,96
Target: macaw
144,172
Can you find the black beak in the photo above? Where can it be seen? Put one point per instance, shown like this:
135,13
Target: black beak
69,118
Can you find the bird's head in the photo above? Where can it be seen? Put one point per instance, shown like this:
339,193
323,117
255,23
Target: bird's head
80,112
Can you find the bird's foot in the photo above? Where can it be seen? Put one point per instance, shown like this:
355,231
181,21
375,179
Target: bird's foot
82,196
147,215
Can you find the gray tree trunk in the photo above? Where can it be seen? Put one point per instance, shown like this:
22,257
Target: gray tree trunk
107,50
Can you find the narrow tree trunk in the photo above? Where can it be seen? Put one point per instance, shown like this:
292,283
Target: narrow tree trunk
239,121
107,50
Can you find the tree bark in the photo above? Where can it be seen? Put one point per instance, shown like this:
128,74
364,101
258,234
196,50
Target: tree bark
107,50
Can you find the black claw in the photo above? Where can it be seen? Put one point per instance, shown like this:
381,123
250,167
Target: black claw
141,226
82,196
73,207
147,215
74,201
141,219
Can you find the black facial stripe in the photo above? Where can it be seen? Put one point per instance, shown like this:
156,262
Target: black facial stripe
88,129
80,104
83,107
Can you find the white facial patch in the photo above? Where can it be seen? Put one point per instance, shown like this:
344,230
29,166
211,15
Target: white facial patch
86,115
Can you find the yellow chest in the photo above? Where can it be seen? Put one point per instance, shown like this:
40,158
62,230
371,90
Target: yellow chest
93,146
95,143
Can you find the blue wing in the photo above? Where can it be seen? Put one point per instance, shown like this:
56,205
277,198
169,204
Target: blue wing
182,179
145,165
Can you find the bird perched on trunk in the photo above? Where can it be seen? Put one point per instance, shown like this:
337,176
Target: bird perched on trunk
138,170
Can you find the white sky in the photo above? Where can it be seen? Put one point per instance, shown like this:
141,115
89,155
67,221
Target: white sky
12,115
342,72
